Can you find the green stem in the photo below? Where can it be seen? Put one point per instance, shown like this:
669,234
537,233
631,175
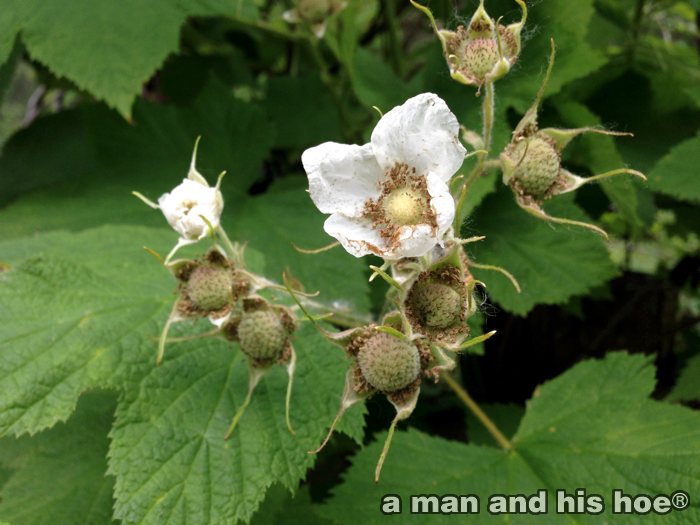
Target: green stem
490,425
488,109
394,38
488,112
234,252
322,65
635,28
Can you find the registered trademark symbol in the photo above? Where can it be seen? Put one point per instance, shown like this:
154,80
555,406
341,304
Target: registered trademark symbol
680,500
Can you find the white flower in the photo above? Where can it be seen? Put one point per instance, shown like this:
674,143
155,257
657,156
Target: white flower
390,197
185,206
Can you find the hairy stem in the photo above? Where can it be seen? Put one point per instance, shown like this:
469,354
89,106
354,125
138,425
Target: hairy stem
471,404
488,112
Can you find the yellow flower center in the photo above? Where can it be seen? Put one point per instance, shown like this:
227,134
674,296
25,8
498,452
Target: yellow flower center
404,207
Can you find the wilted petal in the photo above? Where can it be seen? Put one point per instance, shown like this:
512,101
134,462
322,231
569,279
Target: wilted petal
423,133
342,177
357,236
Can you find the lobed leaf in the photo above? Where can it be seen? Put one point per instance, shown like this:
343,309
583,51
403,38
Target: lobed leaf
76,310
592,427
58,477
168,453
687,386
676,173
108,49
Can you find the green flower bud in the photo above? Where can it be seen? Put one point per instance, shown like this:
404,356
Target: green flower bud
262,335
482,52
480,57
537,164
437,305
209,287
388,363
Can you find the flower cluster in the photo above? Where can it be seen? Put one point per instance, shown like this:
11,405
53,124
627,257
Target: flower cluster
392,198
219,287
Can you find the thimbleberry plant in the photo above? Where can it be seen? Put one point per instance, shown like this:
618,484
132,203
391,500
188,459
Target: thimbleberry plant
450,267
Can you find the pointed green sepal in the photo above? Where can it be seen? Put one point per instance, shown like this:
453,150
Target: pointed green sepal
514,30
193,174
476,340
574,181
481,17
388,279
350,398
563,136
392,331
402,412
497,269
530,118
290,365
255,374
146,200
439,34
440,360
172,318
538,212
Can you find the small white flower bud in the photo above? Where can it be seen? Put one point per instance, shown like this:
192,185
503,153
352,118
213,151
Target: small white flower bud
185,206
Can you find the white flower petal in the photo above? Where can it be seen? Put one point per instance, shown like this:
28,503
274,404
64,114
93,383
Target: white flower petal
442,203
342,177
423,133
415,241
183,206
356,235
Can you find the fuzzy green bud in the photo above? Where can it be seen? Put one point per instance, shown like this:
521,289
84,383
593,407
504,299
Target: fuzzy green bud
388,363
262,335
209,287
480,57
437,305
539,168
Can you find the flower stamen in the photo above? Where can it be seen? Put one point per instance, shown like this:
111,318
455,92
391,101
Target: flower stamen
404,201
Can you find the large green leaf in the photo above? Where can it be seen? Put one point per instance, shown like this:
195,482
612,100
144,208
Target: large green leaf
106,48
303,111
507,417
687,386
677,173
375,84
65,156
78,314
282,507
551,264
168,453
58,477
76,310
593,427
